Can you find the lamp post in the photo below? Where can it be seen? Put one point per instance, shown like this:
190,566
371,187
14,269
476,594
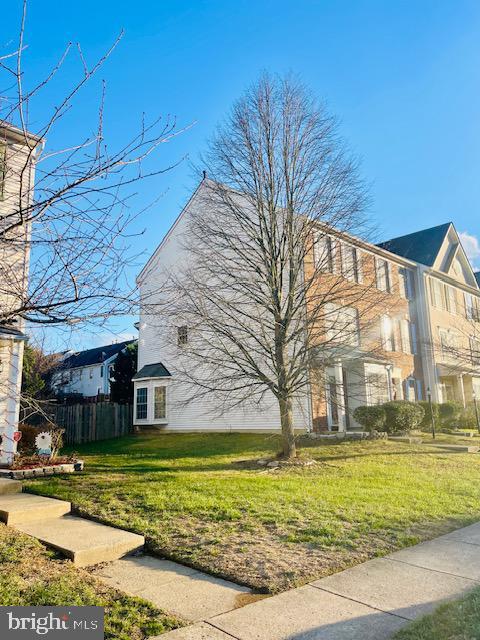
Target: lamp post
429,396
476,410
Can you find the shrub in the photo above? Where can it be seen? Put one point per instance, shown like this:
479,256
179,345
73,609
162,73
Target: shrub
434,409
403,416
371,418
467,419
450,412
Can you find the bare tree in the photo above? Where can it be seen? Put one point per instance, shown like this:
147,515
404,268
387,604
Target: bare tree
67,203
265,289
73,219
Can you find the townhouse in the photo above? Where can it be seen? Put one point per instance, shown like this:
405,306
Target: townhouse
18,153
447,299
377,359
370,347
87,373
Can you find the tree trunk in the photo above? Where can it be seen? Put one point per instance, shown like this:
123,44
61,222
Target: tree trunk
288,434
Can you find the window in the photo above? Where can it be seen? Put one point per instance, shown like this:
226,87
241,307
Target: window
160,403
472,307
387,333
382,273
351,263
3,168
182,335
101,371
91,373
475,350
378,388
448,341
406,283
142,398
342,325
325,253
437,294
451,299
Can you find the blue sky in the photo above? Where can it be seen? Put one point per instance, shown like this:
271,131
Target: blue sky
403,77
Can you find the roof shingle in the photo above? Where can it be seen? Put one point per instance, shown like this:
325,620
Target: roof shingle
94,356
422,246
156,370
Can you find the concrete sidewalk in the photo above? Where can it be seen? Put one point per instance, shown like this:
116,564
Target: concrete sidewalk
368,602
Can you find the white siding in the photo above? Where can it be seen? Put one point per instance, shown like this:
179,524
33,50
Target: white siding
158,344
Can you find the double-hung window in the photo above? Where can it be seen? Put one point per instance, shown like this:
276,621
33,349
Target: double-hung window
437,294
475,350
182,335
325,253
451,298
342,325
142,403
472,307
382,272
160,403
406,283
388,333
351,263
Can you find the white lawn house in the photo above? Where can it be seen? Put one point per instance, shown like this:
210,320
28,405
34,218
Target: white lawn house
87,373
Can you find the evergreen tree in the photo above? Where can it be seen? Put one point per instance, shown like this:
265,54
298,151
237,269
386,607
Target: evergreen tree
124,368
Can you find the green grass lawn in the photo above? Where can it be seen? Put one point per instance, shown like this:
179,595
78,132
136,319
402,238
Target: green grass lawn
32,576
458,620
278,528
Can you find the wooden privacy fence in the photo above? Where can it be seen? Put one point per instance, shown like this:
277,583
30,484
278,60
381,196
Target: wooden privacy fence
90,422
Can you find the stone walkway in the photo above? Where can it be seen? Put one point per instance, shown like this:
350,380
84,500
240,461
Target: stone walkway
368,602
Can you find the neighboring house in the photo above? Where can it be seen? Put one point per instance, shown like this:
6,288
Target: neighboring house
448,301
17,160
378,361
87,373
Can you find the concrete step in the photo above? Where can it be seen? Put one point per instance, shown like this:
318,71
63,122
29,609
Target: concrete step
18,508
83,541
8,486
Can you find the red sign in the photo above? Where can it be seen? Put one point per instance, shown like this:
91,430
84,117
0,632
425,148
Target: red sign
17,436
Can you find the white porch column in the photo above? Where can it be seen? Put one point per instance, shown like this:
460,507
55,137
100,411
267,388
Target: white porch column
12,357
338,372
462,391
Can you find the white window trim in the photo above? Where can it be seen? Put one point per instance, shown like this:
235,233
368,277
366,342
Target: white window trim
163,420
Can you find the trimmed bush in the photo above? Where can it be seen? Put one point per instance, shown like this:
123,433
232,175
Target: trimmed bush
450,413
371,418
467,419
403,416
434,409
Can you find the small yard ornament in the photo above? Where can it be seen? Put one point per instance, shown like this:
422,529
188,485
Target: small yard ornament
17,436
43,442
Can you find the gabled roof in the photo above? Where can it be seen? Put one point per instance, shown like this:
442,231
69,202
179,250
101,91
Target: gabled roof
157,370
422,246
94,356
